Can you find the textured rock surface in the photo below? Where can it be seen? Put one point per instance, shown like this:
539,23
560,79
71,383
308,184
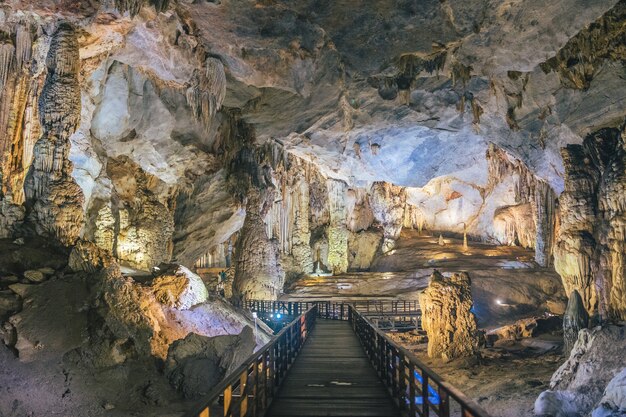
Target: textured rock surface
578,385
143,315
589,254
574,320
613,402
447,317
178,287
55,198
196,363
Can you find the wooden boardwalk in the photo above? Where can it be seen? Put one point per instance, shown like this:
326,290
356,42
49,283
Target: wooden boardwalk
332,377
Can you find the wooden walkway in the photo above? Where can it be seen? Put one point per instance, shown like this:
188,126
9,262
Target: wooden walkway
332,377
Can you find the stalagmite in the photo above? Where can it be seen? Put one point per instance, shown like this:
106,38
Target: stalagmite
337,231
447,317
53,197
575,319
258,273
440,241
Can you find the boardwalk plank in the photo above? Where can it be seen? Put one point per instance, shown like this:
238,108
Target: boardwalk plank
332,377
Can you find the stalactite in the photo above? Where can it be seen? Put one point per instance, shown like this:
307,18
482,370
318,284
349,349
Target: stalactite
207,92
7,54
528,190
131,6
544,216
23,44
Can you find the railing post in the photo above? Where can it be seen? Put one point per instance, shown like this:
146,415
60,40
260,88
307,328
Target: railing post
243,383
425,401
412,408
444,403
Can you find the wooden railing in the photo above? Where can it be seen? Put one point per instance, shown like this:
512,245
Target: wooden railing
249,390
416,389
337,310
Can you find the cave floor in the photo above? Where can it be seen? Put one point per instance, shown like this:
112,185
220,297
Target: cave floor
507,379
499,273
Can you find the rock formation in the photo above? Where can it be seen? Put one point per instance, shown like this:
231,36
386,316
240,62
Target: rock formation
578,385
447,317
613,402
196,363
574,320
54,197
151,317
589,253
176,286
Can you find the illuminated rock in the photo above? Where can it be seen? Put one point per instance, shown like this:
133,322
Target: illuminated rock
87,256
53,195
146,318
178,287
590,246
447,317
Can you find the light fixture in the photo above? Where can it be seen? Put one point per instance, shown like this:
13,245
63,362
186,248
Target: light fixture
278,315
499,302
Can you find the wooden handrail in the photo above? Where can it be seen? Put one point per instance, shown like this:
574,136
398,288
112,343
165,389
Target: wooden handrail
415,388
250,389
337,309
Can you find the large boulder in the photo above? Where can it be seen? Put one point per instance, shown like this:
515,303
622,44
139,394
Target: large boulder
613,402
178,287
447,317
577,387
196,363
145,317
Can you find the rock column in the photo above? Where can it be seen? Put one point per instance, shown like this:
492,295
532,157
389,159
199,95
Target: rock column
447,317
53,197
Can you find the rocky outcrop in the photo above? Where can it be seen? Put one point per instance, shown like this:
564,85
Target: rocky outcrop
590,247
574,320
577,387
176,286
447,317
54,197
613,402
150,317
195,364
87,256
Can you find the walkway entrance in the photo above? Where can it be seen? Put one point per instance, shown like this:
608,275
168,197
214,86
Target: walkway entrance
332,376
